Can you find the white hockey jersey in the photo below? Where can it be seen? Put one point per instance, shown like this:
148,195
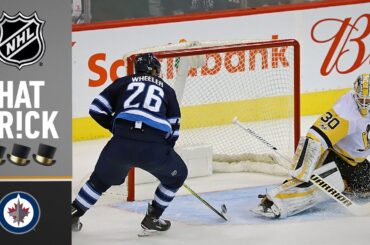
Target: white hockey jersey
344,129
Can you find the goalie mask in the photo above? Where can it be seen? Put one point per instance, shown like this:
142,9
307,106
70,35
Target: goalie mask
148,64
362,93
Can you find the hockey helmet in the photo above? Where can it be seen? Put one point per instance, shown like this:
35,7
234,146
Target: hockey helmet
147,63
362,93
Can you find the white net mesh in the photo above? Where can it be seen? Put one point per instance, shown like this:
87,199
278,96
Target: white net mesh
255,85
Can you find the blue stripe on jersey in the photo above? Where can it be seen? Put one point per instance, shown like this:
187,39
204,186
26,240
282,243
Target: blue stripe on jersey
104,102
101,106
148,119
96,109
176,133
174,120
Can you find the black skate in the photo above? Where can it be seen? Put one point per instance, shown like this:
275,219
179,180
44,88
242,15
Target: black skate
76,224
151,224
266,208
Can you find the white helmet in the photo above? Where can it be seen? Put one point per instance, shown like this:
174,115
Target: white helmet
362,93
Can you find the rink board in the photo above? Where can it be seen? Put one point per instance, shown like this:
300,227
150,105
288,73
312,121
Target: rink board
189,210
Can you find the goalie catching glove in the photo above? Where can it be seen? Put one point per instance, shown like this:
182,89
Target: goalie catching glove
306,157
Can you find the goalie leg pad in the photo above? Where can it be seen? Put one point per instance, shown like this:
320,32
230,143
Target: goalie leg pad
306,157
331,174
294,196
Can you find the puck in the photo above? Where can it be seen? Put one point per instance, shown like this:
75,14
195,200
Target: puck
223,208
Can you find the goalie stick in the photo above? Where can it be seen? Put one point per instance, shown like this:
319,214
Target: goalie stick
354,208
223,206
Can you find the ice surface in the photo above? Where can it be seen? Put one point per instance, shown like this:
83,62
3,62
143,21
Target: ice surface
112,221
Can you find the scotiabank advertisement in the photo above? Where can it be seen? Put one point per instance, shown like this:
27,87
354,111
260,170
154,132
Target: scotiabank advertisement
334,45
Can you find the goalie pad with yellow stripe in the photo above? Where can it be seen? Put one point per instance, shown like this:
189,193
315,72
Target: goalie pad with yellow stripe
305,160
294,196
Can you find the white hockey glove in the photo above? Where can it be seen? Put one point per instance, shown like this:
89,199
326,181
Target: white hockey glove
305,159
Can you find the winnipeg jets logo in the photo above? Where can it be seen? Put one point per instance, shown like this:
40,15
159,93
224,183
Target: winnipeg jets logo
21,39
19,212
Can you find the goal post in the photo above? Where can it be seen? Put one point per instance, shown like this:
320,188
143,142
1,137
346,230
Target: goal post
215,81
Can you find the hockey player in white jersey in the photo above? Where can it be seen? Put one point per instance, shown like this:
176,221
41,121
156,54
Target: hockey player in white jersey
336,148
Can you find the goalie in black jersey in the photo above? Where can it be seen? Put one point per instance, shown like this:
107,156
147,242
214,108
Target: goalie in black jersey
143,114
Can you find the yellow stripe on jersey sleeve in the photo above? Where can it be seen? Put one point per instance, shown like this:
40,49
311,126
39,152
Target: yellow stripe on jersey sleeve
331,127
353,161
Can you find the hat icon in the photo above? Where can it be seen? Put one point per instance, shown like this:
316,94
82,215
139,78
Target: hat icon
2,151
45,155
19,155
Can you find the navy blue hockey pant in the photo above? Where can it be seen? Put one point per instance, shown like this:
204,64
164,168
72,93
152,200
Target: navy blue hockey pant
146,149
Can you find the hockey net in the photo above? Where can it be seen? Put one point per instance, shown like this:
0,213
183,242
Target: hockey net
255,81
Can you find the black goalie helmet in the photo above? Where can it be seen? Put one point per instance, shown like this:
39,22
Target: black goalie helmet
147,63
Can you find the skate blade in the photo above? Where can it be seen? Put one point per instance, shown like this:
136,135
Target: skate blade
260,212
146,233
77,228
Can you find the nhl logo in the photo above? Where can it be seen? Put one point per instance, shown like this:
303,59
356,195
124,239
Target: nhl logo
19,212
21,39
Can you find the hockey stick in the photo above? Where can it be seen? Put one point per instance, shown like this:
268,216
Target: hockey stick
223,206
179,87
356,209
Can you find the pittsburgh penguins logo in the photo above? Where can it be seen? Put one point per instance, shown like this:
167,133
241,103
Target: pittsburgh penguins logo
19,212
365,139
21,39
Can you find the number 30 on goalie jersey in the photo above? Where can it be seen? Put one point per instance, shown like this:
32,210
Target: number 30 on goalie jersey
331,121
344,129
